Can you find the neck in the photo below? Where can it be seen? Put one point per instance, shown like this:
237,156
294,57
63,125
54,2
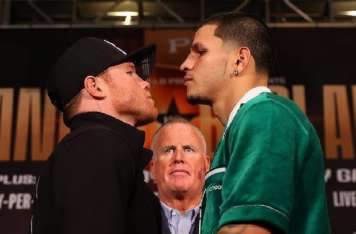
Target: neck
94,106
180,202
124,118
238,87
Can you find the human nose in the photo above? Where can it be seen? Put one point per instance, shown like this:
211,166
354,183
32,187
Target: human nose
179,156
145,84
187,63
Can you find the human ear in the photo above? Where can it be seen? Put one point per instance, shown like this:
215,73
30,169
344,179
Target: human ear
152,170
207,162
242,59
94,87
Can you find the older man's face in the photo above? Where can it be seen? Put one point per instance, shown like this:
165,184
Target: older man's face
179,161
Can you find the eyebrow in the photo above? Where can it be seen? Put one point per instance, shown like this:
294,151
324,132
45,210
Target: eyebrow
129,65
167,147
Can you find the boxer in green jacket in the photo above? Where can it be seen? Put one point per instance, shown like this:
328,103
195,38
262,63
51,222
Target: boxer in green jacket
267,174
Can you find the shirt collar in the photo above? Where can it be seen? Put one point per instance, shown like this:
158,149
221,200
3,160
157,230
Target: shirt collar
252,93
168,211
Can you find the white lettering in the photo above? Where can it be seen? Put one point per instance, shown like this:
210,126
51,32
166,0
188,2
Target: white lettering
175,43
345,175
214,187
4,179
26,201
17,179
19,201
327,175
344,198
12,201
1,199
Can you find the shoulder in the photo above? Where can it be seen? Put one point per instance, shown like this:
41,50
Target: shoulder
269,117
93,144
271,107
269,102
92,138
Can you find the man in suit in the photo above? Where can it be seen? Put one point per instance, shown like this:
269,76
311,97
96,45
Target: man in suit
178,168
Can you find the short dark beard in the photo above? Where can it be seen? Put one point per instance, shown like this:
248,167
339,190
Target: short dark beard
145,118
194,100
145,121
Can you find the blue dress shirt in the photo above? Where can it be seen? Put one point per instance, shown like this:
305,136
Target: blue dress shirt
180,223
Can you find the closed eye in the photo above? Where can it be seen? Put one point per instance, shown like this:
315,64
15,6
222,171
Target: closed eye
198,49
201,51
